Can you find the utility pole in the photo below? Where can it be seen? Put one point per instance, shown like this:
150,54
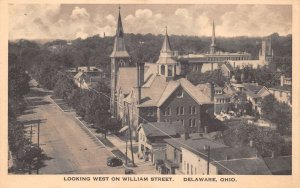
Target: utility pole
38,138
30,134
126,133
207,148
129,123
38,142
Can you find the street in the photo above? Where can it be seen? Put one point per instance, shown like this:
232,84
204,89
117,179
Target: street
71,149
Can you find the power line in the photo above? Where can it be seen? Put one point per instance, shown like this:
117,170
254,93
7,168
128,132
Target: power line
213,160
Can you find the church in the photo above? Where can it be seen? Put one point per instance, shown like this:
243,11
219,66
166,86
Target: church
155,92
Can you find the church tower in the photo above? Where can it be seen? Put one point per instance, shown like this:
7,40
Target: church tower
266,51
166,62
213,42
119,58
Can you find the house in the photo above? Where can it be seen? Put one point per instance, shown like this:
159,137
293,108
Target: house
283,92
151,143
254,93
175,161
82,80
227,70
154,92
222,101
86,77
222,160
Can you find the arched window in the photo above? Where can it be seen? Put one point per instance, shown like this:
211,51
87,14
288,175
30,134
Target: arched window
162,69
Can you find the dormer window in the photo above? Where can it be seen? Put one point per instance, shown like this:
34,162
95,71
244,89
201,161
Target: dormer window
180,94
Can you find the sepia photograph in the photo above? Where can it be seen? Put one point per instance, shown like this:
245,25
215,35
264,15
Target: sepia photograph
147,92
150,89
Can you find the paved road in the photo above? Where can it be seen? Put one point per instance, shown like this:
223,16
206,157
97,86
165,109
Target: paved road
72,149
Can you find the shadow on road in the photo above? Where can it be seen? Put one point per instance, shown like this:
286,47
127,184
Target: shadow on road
38,93
33,122
37,102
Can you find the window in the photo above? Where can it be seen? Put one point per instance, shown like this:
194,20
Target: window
187,168
280,94
162,70
192,122
179,94
195,170
184,165
170,70
180,110
191,169
167,111
150,112
182,122
180,158
192,110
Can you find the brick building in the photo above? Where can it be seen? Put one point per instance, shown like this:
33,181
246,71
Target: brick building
154,92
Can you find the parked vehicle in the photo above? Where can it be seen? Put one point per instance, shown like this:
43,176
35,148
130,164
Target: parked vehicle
129,171
114,161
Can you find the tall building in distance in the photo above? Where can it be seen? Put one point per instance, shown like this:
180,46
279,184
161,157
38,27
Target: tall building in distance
119,58
266,52
213,40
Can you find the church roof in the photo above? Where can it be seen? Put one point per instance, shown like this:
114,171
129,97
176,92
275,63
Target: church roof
119,49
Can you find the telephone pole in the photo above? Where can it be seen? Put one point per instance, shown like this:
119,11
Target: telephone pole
129,128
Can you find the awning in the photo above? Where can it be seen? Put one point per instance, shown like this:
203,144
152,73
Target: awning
123,129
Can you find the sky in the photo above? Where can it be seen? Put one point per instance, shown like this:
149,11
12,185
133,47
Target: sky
70,21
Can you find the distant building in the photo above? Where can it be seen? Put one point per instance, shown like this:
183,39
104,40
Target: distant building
283,92
86,77
215,59
254,93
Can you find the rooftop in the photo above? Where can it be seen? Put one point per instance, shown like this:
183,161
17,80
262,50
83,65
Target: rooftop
279,164
159,129
194,142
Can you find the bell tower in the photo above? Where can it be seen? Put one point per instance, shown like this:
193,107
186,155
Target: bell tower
119,58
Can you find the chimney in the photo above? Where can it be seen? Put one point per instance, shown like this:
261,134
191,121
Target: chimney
251,143
186,136
212,91
140,79
282,78
273,154
205,129
227,157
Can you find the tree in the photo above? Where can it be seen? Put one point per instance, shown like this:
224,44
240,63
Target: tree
64,86
278,113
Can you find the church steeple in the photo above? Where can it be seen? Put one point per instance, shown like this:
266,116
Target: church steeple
119,45
119,58
166,47
213,39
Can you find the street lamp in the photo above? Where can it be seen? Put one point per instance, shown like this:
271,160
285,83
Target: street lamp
207,148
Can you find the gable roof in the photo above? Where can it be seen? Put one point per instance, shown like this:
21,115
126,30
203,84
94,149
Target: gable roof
159,129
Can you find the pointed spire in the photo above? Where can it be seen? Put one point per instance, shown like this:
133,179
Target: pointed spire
213,34
166,47
119,45
119,32
213,39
